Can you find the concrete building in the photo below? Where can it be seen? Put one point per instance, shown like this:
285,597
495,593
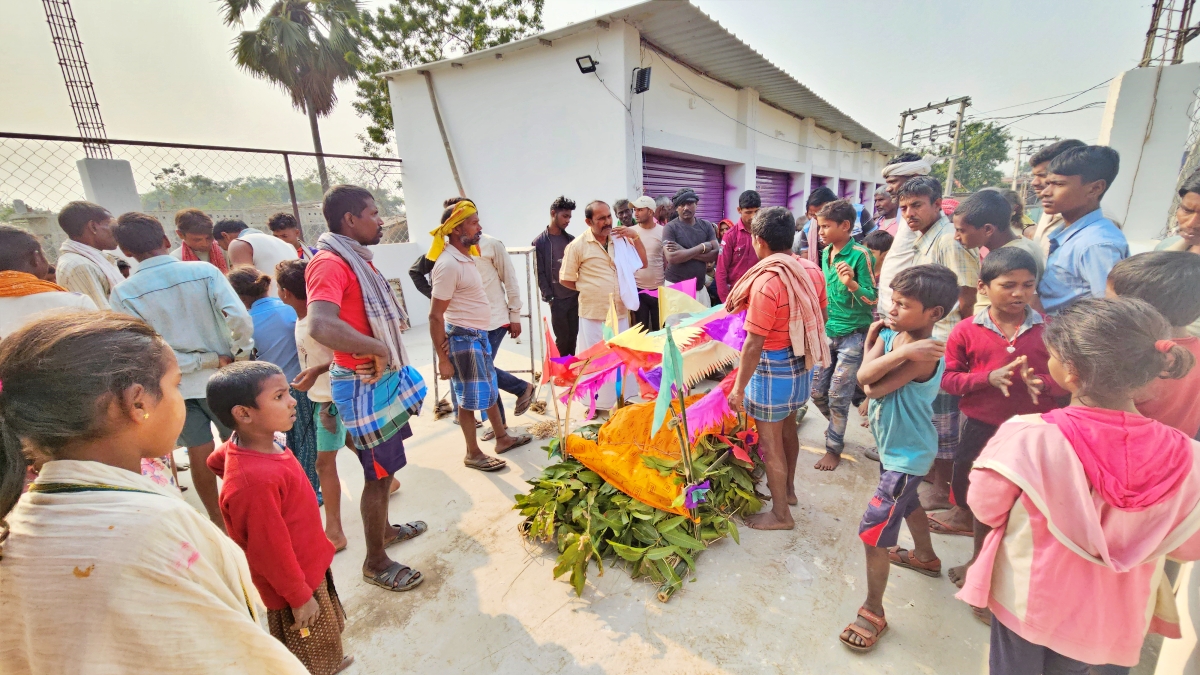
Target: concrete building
1148,119
524,124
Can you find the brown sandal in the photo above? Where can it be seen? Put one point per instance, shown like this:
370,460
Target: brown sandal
902,557
878,622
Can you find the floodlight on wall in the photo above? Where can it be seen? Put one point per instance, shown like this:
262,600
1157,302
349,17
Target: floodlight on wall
641,80
586,64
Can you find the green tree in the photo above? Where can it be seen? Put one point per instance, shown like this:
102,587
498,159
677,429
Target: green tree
411,32
303,46
981,148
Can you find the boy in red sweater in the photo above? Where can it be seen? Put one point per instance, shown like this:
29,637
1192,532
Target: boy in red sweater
270,510
997,362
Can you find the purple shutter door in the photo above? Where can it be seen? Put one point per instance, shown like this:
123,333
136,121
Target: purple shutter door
662,176
773,187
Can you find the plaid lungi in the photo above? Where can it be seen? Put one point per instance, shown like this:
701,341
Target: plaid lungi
780,386
948,422
376,418
474,379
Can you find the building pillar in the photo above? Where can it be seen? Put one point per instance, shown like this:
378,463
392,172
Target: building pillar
109,183
744,176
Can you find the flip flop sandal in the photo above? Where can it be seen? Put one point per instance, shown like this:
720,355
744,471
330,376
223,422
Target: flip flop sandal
871,454
524,401
938,527
902,557
408,531
488,464
878,622
518,441
407,577
489,435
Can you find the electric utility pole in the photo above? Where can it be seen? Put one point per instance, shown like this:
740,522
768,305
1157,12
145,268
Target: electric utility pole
1028,147
954,128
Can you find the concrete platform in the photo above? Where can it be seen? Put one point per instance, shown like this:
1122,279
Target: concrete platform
774,604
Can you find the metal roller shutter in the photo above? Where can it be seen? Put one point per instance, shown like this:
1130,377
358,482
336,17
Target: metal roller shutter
773,187
662,176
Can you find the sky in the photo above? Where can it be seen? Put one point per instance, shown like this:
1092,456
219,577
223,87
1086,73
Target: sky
162,69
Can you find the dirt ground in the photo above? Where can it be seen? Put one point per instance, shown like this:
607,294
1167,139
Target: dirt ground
774,604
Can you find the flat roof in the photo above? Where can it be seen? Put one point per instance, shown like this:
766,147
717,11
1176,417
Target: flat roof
680,30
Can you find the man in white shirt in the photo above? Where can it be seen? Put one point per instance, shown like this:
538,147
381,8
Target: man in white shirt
82,266
24,295
651,276
503,292
248,246
895,175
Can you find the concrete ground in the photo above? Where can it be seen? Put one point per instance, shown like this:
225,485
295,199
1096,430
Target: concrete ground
774,604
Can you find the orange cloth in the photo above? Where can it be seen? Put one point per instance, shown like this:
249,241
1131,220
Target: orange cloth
617,453
19,284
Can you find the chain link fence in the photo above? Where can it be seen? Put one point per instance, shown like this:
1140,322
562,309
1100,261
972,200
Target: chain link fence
38,176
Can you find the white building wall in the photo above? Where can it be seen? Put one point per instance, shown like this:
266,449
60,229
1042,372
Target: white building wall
529,127
524,130
1146,120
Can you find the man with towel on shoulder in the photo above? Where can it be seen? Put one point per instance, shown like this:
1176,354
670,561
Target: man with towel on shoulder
351,310
458,324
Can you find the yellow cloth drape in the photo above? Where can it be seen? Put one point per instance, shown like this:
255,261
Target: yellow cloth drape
19,284
462,210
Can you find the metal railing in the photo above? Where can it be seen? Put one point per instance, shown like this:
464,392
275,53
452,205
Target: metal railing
38,176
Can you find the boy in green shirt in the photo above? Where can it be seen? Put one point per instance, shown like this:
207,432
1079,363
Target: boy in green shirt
850,285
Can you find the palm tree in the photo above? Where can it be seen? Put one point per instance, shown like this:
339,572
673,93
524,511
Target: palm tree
305,47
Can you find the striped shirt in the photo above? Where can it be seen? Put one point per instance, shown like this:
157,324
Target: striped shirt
937,246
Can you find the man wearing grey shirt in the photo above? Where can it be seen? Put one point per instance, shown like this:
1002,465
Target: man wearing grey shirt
689,244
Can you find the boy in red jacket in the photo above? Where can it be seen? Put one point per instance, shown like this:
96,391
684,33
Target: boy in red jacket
270,510
997,362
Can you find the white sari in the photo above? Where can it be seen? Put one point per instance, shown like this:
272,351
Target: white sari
105,571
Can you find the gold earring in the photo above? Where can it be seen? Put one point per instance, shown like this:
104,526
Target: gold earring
145,415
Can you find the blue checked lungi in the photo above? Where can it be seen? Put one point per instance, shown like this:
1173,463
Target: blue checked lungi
780,386
948,422
474,379
376,415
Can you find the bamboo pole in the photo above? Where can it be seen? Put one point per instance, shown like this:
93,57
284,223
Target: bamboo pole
570,399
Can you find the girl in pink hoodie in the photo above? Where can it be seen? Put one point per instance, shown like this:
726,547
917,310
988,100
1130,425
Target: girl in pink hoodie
1086,502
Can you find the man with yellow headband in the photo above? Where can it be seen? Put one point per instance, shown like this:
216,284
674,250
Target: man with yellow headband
458,324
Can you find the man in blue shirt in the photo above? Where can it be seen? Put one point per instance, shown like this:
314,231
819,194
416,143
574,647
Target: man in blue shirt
1088,245
194,309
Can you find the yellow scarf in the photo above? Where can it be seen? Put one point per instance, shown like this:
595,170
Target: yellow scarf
462,211
19,284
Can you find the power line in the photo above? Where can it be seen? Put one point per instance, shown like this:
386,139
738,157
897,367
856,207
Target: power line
1057,104
1089,106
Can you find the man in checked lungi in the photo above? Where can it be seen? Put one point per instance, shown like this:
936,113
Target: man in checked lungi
459,318
784,298
351,310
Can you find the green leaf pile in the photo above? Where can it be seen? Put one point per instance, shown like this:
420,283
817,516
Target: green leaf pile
589,519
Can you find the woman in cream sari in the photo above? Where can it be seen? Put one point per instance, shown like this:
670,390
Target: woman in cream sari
103,570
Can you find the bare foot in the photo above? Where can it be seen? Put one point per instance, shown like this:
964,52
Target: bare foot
395,486
768,521
828,463
792,497
338,539
958,575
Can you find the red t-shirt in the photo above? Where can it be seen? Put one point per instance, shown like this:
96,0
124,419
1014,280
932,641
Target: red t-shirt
769,311
270,510
328,278
1176,403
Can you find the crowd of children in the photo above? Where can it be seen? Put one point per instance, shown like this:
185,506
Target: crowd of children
1032,387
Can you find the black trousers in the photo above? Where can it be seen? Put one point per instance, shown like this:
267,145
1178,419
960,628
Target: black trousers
975,435
647,312
564,318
